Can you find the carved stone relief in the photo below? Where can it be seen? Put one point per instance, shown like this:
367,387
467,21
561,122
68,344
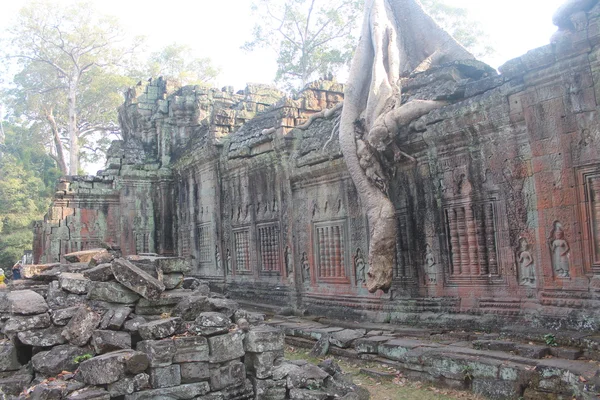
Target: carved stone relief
360,267
559,251
305,268
430,266
526,264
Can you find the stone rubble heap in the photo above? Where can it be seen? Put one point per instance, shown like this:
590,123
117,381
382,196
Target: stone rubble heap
104,327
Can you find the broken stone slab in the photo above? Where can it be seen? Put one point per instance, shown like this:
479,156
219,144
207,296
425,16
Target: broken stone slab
89,394
189,307
370,345
262,364
345,338
321,347
231,375
253,318
397,349
210,323
20,323
112,292
84,256
47,337
8,357
59,358
62,316
226,347
58,298
172,281
80,328
102,257
194,372
164,377
137,280
106,341
133,324
26,302
261,339
159,329
159,352
110,367
170,265
129,385
182,392
74,283
268,389
190,349
307,375
100,273
30,271
114,318
225,306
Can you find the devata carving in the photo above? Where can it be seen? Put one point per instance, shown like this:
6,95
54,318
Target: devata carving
398,37
430,266
359,267
526,264
305,268
559,249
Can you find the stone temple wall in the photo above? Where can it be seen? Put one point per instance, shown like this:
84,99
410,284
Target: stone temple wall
498,215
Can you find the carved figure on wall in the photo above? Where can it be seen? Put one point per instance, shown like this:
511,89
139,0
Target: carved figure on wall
430,266
559,249
526,264
359,267
305,268
218,257
228,262
287,254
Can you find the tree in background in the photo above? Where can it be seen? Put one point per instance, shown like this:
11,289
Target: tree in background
176,62
63,56
311,37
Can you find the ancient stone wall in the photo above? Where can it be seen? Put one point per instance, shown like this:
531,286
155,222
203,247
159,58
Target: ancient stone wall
497,213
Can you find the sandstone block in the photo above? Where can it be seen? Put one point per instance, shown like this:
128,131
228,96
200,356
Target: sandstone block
371,344
8,357
225,306
181,392
262,364
84,256
102,257
160,352
74,283
269,389
26,302
190,307
233,374
100,273
112,292
114,318
19,323
263,339
47,337
62,316
163,377
80,328
31,271
58,298
107,341
133,324
137,280
190,349
170,265
211,323
59,358
306,394
194,372
109,368
226,347
129,385
89,394
345,337
172,281
159,329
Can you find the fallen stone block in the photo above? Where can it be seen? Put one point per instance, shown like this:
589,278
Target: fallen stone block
58,298
46,337
106,341
182,392
369,345
19,323
80,328
89,394
262,364
211,323
225,306
8,357
190,349
62,316
100,273
84,256
261,339
164,304
189,307
269,389
159,352
129,385
226,347
164,377
14,382
172,281
159,329
112,292
344,339
74,283
137,280
114,318
59,358
109,368
30,271
321,347
26,302
133,324
194,372
307,375
102,257
233,374
169,265
306,394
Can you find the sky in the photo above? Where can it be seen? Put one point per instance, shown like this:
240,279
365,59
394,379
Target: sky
217,29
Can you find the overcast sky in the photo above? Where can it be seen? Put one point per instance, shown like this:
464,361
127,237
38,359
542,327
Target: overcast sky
218,28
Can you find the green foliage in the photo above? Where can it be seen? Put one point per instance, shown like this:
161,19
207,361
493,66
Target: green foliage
550,340
80,359
311,37
176,62
467,372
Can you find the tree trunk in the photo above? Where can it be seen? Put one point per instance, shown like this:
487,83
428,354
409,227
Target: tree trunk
397,36
73,136
60,154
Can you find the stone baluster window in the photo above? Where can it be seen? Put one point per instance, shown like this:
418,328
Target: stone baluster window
268,246
204,243
330,251
242,251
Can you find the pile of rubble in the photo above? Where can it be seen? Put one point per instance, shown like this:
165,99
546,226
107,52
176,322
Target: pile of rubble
103,327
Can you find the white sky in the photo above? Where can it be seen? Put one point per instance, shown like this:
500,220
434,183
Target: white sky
218,28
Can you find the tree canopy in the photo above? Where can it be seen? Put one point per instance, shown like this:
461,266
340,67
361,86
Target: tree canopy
176,62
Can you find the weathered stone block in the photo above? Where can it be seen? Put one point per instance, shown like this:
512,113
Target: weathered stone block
74,283
89,394
82,256
26,302
163,377
262,364
100,273
107,341
112,292
306,394
47,337
62,316
190,349
8,357
172,281
226,347
233,374
370,345
160,352
59,358
225,306
345,338
194,372
58,298
159,329
80,328
103,257
181,392
19,323
114,318
137,280
268,389
129,385
133,324
189,307
263,339
211,323
170,265
110,367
